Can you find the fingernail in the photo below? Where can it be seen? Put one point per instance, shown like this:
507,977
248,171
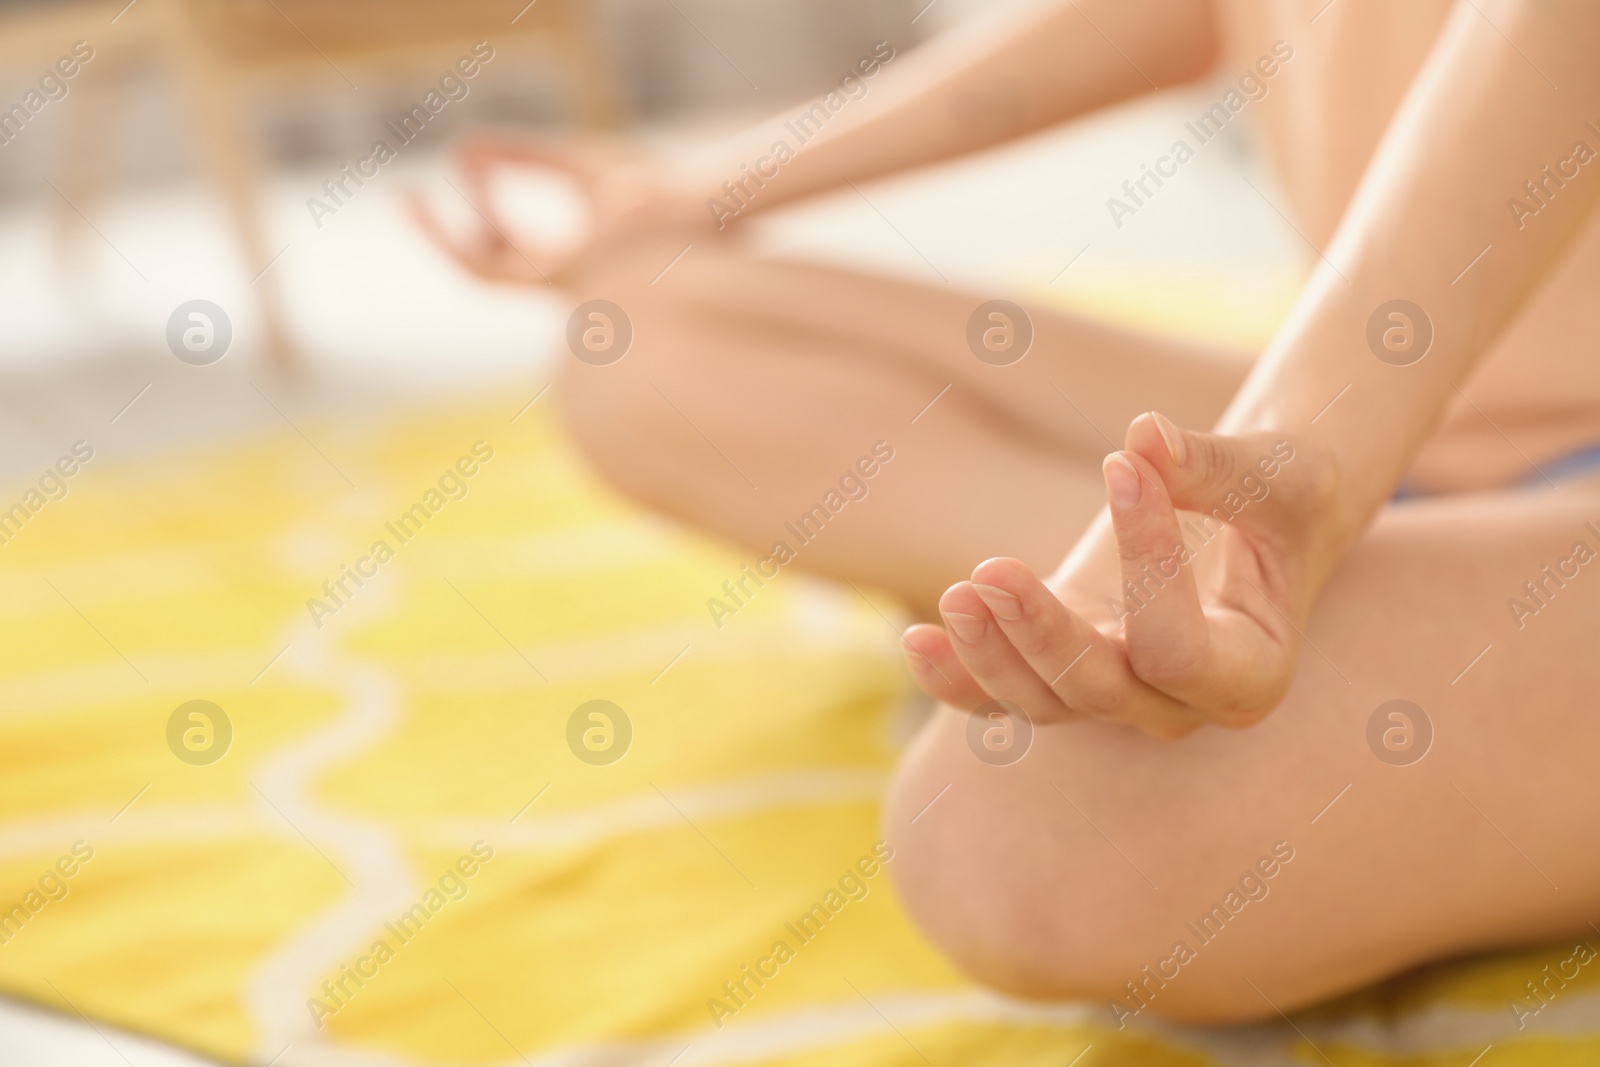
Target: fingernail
912,652
1005,605
969,628
1176,448
1122,481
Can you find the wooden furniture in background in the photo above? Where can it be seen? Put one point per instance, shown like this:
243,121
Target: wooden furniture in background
225,53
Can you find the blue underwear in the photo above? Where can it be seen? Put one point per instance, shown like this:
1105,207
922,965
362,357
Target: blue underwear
1573,463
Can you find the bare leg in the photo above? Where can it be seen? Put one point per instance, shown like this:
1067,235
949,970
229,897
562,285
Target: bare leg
1042,876
752,387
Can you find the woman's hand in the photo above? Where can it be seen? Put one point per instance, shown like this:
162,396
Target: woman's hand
624,189
1187,610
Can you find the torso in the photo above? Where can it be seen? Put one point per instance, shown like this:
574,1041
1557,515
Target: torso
1327,110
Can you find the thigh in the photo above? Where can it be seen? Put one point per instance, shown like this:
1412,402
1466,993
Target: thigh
1080,869
751,388
1078,386
863,470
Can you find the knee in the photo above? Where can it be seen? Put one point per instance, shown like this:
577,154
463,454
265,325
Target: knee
979,870
607,413
615,404
613,415
1008,876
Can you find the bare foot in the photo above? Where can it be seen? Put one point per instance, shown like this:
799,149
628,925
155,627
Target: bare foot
1185,609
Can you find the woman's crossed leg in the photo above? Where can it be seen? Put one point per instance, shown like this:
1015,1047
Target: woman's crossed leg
1232,874
750,387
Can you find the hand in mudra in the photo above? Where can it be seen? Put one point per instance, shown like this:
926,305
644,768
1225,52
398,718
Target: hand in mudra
621,186
1187,609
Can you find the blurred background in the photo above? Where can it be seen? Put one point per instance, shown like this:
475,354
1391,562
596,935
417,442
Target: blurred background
176,164
179,163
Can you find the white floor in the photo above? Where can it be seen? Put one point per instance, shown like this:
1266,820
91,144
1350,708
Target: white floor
384,320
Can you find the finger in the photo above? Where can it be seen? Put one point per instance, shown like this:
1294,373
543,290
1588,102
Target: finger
481,198
1166,630
511,262
990,658
482,151
937,670
1231,658
474,260
1088,672
477,158
500,262
1251,479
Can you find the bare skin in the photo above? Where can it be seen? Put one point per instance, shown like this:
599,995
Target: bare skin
1030,874
751,374
1001,460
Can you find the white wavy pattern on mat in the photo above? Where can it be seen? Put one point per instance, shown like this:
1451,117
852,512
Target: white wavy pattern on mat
144,823
368,852
626,815
365,852
646,810
188,823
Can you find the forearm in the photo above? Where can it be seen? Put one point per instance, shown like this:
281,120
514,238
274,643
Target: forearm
968,90
1480,121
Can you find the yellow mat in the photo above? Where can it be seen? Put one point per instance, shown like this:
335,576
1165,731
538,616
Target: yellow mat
399,829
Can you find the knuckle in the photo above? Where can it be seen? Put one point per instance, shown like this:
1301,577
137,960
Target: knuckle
1216,456
1146,555
1164,664
1130,550
1107,702
1033,640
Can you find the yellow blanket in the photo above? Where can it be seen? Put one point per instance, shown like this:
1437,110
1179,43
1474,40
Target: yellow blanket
398,828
